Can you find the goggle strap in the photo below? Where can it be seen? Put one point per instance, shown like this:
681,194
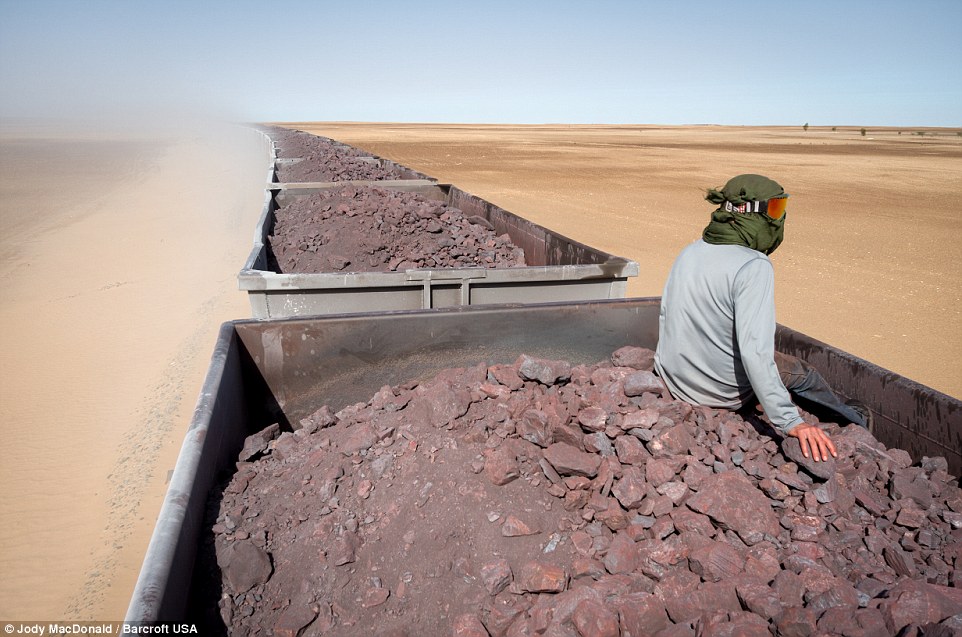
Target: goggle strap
749,206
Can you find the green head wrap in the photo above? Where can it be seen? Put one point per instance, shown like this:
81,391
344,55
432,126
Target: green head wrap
755,230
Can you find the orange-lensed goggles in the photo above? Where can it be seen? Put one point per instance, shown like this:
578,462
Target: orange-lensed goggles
774,207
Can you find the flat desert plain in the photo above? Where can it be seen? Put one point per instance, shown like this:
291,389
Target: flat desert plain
872,257
119,255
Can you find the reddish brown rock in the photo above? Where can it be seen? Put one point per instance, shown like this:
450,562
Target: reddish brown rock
660,470
544,371
804,528
496,576
789,475
911,517
539,577
641,614
705,599
493,390
763,565
631,451
598,443
868,498
840,595
900,560
343,549
914,602
822,469
582,542
631,488
790,588
673,441
356,438
643,381
738,624
695,474
674,410
586,567
443,402
468,625
636,357
324,160
533,427
593,418
676,583
551,614
675,491
842,621
593,619
758,597
576,483
568,460
816,578
574,500
912,483
775,489
375,596
566,433
501,465
686,520
797,622
364,488
613,517
549,471
735,503
245,566
293,620
622,555
641,419
498,615
506,375
515,527
716,561
256,444
828,491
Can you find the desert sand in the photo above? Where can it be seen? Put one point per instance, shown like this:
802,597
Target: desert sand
118,263
119,256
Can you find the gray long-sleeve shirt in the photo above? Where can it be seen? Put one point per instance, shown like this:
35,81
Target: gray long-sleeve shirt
716,336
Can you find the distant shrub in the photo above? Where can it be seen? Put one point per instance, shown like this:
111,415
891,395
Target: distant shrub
805,127
834,128
863,132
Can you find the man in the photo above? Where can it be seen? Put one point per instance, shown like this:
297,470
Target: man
716,337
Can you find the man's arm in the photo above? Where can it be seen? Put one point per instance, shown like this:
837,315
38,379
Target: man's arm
754,299
754,296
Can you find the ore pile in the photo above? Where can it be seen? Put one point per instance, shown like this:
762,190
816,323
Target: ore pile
323,160
544,498
368,229
293,144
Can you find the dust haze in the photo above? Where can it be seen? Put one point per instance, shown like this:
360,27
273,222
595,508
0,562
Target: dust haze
122,236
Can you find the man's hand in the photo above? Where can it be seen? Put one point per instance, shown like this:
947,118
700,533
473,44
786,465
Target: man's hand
810,436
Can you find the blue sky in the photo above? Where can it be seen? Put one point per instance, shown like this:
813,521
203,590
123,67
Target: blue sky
743,62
